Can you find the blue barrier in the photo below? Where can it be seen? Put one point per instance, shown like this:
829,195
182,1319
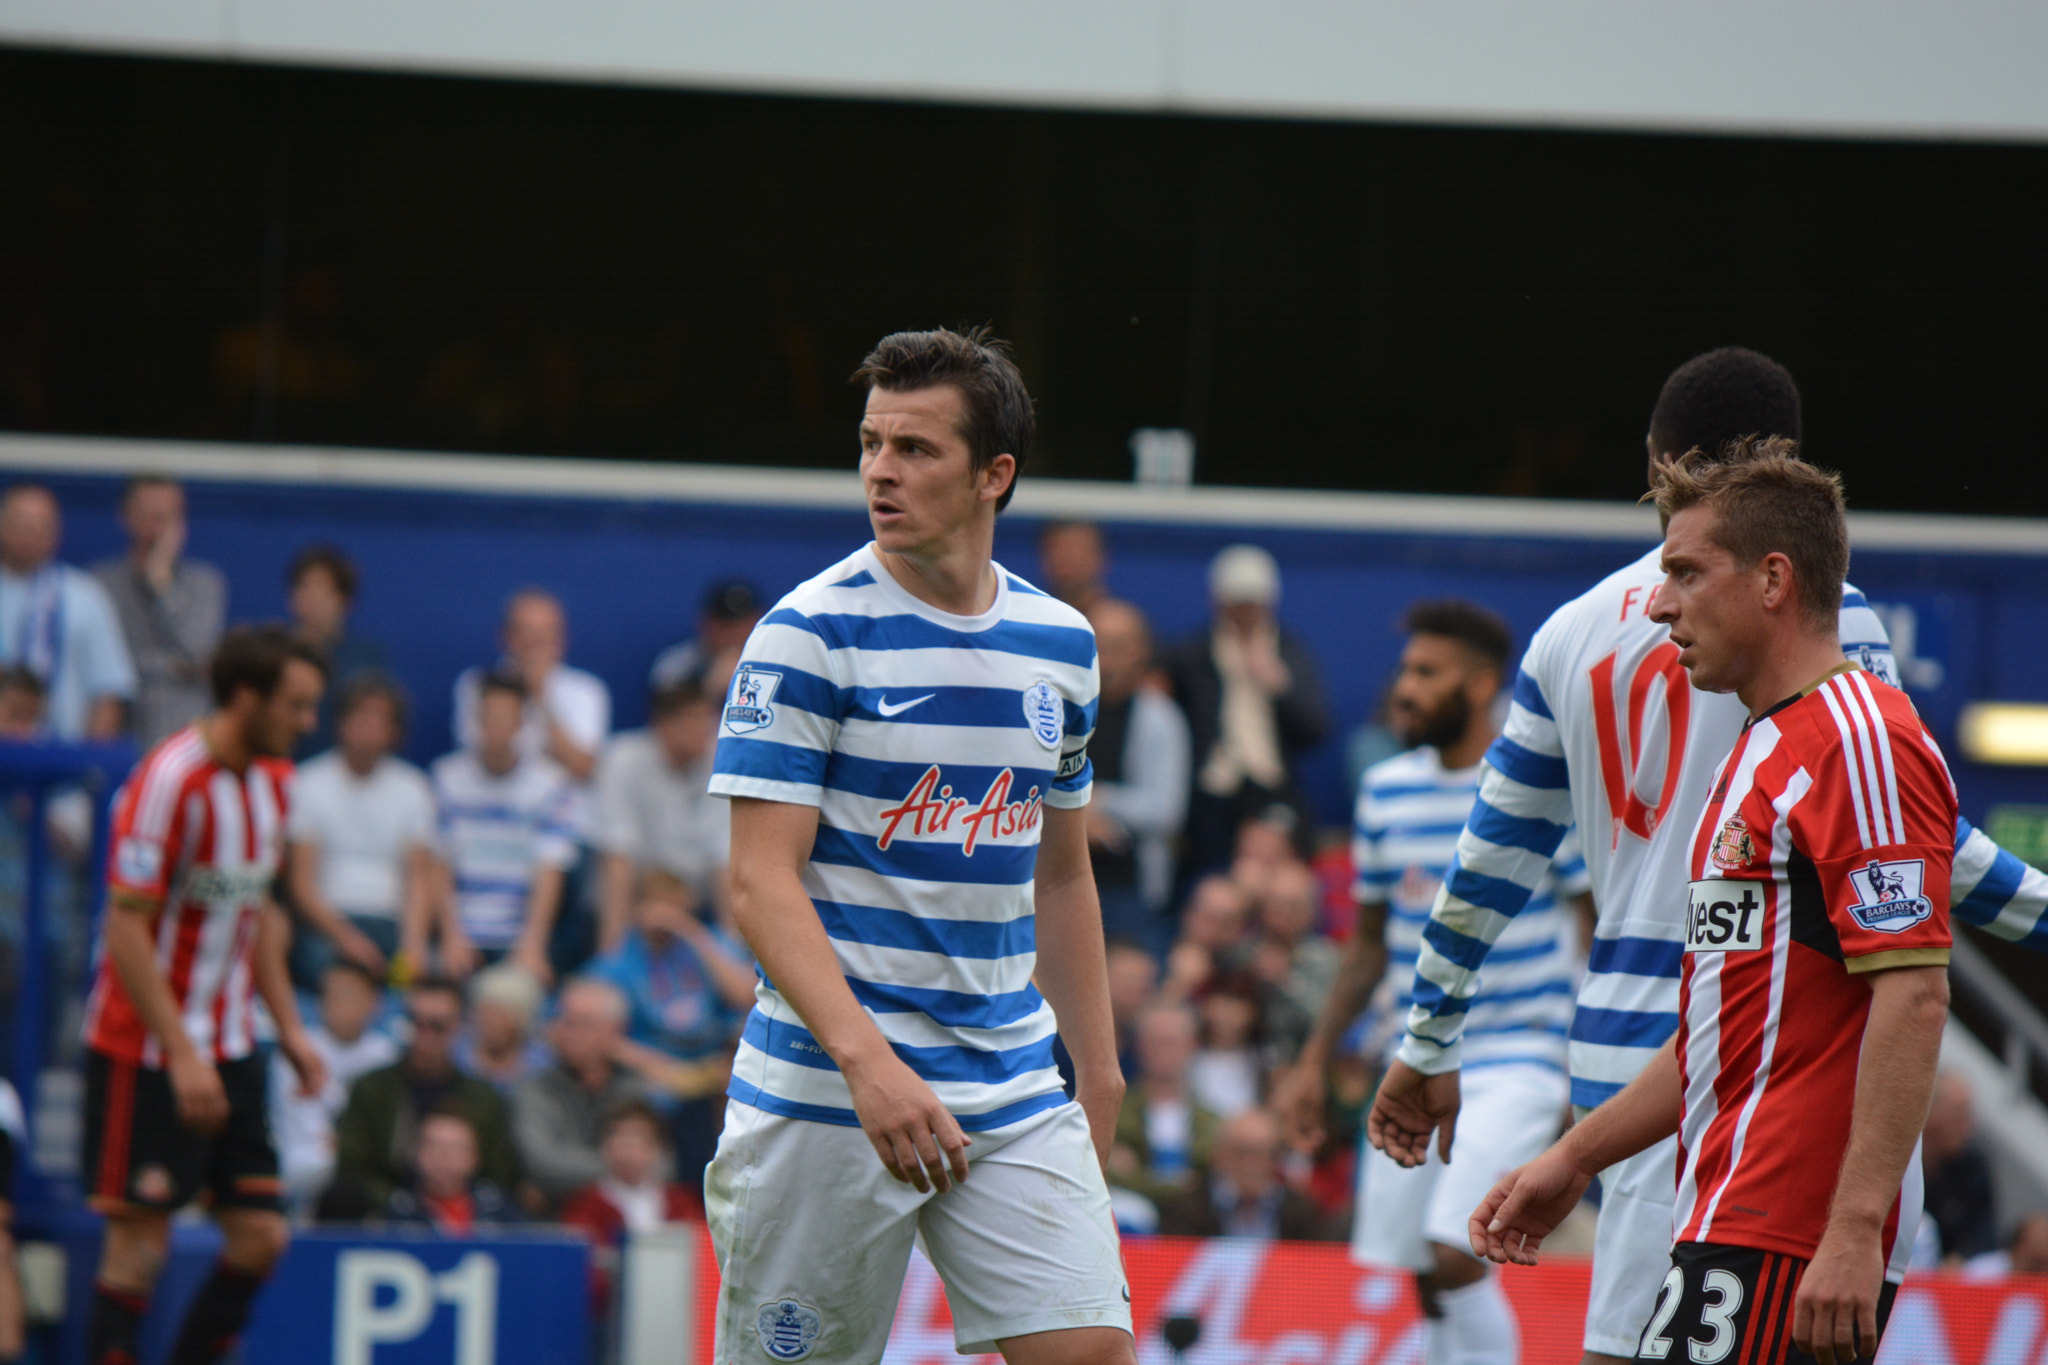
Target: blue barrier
438,565
35,771
370,1298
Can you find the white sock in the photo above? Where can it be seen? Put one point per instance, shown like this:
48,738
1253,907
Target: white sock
1477,1327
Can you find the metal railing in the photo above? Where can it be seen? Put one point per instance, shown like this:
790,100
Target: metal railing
2024,1048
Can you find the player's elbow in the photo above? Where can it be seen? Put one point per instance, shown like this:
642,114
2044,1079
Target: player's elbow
1917,996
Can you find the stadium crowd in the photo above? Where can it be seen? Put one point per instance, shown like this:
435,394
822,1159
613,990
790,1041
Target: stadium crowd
518,963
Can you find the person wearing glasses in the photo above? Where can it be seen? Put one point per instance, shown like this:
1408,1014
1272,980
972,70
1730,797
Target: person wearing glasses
377,1137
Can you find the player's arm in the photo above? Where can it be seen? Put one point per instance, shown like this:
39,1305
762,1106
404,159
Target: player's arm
543,902
1837,1301
1530,1201
1300,1092
1519,819
272,978
1997,892
130,933
913,1134
1072,973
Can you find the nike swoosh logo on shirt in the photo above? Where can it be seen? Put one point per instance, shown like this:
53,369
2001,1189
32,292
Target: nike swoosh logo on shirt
898,709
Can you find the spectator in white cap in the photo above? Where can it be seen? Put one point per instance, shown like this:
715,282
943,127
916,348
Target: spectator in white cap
1254,704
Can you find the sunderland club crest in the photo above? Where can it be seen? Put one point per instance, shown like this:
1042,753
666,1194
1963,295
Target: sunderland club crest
789,1328
1733,848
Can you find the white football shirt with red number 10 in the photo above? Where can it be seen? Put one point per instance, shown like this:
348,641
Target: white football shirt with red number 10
1823,853
204,842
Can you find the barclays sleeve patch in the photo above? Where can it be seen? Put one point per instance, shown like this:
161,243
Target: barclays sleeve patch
1889,896
138,862
747,705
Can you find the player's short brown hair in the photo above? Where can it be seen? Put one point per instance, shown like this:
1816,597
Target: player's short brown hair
254,657
998,407
1767,500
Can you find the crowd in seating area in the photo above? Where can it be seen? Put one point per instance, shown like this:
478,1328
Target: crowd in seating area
518,961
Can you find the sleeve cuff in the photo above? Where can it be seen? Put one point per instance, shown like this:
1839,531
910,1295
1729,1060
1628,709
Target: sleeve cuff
767,789
1427,1057
1061,799
1897,957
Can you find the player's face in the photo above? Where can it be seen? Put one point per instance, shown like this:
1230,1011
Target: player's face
1710,603
1431,701
922,488
289,712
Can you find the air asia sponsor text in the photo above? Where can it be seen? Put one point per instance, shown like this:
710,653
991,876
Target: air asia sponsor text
931,809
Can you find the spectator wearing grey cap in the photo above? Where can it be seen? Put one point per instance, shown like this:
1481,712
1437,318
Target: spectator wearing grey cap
1254,704
728,615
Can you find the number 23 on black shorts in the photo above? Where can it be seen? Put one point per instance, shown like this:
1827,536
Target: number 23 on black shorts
1723,1305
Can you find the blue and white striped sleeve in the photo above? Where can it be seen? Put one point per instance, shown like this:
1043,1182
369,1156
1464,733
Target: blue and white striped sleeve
1074,782
1998,893
781,715
1371,875
1519,819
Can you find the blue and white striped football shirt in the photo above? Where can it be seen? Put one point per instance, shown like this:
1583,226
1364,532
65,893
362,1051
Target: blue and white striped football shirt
929,743
1405,830
1606,731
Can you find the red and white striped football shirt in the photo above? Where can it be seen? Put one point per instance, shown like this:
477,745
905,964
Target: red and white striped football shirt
204,842
1823,853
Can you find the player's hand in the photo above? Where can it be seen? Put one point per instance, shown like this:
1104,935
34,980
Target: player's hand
305,1059
201,1098
1299,1096
919,1142
459,956
1408,1108
1834,1314
1525,1207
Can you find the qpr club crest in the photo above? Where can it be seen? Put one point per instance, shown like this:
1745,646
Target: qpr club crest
746,706
1733,848
789,1328
1045,713
1888,895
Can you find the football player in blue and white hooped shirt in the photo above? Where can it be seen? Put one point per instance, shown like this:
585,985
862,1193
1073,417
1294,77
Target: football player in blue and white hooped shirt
1607,732
1410,810
905,746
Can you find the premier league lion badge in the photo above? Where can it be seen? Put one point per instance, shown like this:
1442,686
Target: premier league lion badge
1045,713
789,1328
747,706
1733,848
1889,896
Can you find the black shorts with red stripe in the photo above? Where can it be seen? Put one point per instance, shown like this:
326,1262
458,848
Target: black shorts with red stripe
1724,1305
139,1155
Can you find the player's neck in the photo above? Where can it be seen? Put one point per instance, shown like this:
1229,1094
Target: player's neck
956,577
1789,669
227,740
1478,738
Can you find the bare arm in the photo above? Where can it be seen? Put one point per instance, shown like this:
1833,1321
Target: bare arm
1530,1201
416,920
1835,1311
273,981
578,761
614,900
730,977
1300,1091
130,931
543,903
916,1139
303,875
1071,970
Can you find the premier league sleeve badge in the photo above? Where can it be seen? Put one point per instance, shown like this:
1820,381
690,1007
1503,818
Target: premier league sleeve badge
747,705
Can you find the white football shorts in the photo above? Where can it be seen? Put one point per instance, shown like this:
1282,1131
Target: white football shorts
1507,1115
813,1236
1631,1248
